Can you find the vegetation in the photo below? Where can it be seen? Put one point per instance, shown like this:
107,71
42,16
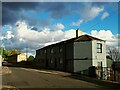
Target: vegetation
5,53
114,53
31,58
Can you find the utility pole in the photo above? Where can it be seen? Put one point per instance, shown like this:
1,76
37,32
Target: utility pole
26,53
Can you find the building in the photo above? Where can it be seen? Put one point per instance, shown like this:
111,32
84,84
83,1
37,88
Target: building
17,58
74,55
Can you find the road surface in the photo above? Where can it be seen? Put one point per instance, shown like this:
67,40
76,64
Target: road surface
31,78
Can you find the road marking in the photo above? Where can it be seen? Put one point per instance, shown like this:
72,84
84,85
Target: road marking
8,86
41,71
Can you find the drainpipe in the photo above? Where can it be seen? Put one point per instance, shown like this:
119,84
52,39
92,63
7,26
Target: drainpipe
101,71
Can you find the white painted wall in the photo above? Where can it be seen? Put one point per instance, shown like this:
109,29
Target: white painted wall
88,49
98,57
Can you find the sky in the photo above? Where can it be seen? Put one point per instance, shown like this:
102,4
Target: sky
34,25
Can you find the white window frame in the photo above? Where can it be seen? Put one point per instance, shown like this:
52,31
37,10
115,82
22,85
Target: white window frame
99,47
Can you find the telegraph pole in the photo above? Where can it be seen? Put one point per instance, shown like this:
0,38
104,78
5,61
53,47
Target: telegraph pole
26,53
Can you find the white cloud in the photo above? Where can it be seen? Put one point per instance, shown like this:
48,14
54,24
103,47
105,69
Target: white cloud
58,26
8,35
78,23
23,37
70,34
105,14
90,12
111,40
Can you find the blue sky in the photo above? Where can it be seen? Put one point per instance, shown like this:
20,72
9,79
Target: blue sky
61,19
70,12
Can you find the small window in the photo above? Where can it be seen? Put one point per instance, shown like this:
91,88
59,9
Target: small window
51,61
51,51
60,61
99,48
60,49
45,51
40,52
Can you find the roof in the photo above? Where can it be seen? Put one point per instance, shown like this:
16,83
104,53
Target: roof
77,39
16,54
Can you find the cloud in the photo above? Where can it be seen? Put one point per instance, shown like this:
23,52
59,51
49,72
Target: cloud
105,15
23,37
58,26
78,23
90,12
9,35
111,40
31,11
22,11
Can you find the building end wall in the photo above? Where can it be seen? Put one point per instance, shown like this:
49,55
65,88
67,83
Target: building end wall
21,57
99,57
82,56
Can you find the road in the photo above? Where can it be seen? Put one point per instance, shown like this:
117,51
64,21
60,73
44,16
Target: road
31,78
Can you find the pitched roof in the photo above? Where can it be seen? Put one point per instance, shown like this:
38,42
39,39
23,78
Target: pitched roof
87,38
78,39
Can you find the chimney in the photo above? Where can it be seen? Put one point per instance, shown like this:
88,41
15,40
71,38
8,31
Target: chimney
79,32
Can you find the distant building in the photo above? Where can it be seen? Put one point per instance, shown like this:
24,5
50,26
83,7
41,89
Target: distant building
17,58
73,55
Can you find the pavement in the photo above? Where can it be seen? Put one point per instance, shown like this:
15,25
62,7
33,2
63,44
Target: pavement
6,70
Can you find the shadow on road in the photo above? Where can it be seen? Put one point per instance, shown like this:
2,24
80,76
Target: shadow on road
105,84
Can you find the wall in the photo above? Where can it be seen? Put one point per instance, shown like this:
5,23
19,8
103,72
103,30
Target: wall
12,59
82,55
44,59
99,57
69,57
21,57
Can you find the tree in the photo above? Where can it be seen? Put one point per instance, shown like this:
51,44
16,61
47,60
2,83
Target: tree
114,53
31,58
13,51
6,53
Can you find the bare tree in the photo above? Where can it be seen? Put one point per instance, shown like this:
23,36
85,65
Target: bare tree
114,53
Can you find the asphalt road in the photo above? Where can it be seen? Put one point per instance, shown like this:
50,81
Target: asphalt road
30,78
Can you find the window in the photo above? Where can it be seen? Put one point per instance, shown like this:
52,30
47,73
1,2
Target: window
51,61
99,48
60,49
44,51
60,61
51,51
40,52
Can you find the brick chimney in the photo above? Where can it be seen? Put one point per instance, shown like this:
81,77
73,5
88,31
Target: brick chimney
79,32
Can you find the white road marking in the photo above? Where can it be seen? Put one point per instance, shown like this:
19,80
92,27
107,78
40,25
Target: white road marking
41,71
